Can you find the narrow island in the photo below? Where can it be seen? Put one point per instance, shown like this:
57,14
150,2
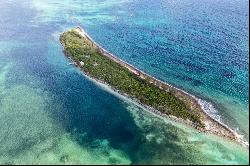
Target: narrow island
156,95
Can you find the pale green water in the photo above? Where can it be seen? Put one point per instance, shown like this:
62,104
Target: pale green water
51,114
193,51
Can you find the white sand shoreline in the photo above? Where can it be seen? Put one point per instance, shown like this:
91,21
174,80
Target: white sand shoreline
212,125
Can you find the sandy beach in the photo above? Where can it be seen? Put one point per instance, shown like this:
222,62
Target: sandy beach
211,125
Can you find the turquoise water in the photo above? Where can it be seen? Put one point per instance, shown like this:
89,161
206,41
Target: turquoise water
51,114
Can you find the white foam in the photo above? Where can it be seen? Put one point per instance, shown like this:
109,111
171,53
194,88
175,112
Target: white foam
56,35
212,112
207,107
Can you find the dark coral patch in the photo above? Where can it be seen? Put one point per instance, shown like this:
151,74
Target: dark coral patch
197,83
228,74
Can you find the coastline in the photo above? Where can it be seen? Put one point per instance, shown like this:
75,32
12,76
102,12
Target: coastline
211,125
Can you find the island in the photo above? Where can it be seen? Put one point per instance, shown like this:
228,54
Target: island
158,96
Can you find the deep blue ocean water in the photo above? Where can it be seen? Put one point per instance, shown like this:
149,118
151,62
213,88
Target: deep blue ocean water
199,46
51,113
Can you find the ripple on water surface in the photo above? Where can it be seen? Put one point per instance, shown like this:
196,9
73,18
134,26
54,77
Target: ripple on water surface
51,114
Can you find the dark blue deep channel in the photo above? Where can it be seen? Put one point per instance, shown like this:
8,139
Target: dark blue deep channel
50,113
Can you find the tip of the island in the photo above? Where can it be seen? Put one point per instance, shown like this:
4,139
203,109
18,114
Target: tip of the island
159,97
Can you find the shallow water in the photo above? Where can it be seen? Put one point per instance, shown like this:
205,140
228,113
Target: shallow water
51,114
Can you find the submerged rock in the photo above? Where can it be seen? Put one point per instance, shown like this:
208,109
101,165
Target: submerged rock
64,158
228,74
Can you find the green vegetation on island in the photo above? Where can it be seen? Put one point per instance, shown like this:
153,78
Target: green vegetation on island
92,61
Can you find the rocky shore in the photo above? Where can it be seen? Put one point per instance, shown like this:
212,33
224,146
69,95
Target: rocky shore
210,125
